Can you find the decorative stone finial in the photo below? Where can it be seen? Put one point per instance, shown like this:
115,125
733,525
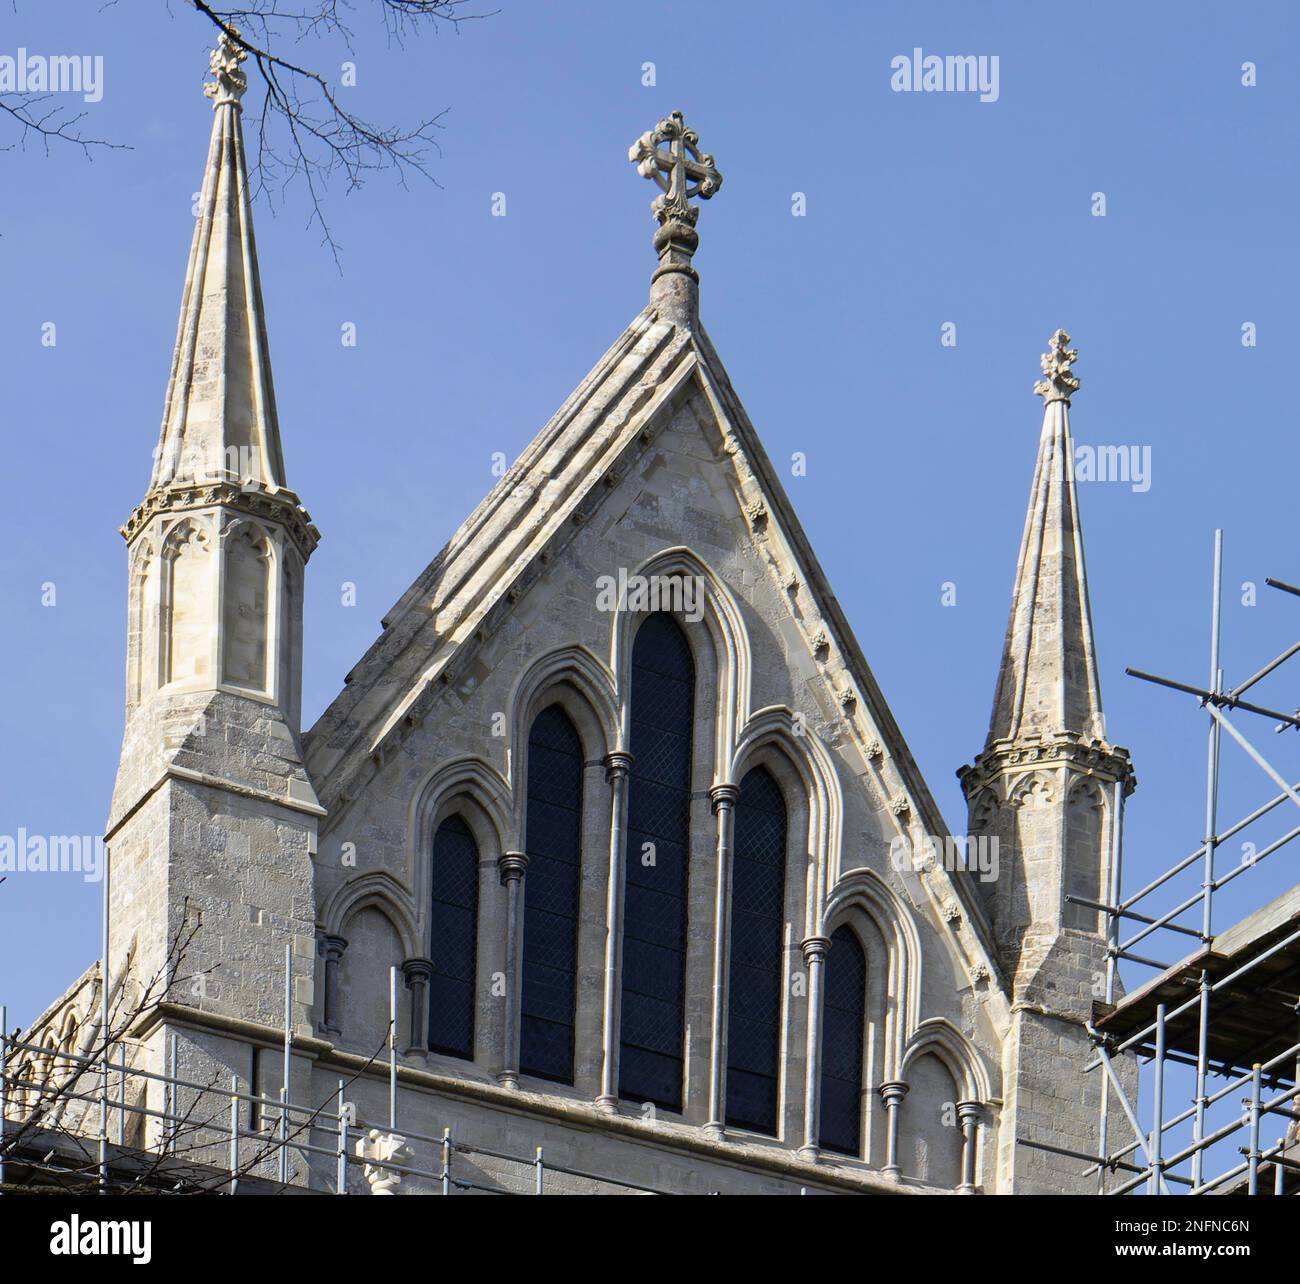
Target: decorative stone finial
670,155
229,82
1060,383
681,170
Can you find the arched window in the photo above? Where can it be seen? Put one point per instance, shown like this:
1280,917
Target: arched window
843,1022
658,843
757,931
453,932
553,841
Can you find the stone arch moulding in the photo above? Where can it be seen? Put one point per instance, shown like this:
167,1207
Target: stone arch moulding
1037,785
144,622
378,890
576,680
239,538
940,1038
726,626
864,892
771,729
187,602
480,793
984,807
1088,790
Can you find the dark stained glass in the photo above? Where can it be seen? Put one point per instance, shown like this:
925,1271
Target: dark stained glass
757,929
453,939
843,1020
553,842
652,1026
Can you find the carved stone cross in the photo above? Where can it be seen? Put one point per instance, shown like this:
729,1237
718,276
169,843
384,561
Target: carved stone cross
670,155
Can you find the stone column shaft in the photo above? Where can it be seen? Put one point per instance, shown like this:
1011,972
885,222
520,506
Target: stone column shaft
968,1112
724,800
892,1095
512,866
330,948
417,973
617,766
815,949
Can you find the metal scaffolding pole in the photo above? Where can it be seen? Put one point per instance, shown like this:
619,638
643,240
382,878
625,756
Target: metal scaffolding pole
288,1048
1183,1030
1211,842
103,1032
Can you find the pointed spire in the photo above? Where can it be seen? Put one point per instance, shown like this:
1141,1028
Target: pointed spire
1048,683
670,155
219,418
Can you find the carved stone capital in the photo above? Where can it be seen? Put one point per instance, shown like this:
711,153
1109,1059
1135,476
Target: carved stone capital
331,948
511,866
893,1092
618,762
415,971
815,948
723,796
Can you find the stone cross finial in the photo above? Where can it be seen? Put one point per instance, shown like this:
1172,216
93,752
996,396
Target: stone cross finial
1056,362
680,169
670,155
228,82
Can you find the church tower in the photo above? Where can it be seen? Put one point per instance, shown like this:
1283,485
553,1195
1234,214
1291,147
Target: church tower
1050,788
214,817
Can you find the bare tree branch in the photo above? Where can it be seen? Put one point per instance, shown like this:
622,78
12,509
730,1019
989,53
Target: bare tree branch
303,132
39,122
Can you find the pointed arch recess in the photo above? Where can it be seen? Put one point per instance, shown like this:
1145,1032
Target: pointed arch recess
772,728
938,1037
489,813
583,687
379,891
864,892
725,624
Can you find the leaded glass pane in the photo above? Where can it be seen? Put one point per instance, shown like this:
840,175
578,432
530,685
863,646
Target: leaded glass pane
757,932
553,841
453,936
654,909
843,1020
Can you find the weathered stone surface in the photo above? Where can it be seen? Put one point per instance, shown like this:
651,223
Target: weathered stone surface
974,1004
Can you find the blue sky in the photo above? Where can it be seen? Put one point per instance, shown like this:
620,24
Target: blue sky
922,209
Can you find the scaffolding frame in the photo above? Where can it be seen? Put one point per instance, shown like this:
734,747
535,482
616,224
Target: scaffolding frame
1152,1160
283,1146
